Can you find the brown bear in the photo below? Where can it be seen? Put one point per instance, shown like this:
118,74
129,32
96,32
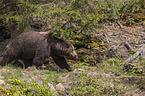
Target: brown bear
33,47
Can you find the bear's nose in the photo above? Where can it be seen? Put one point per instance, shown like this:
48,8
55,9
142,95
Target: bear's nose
69,69
74,53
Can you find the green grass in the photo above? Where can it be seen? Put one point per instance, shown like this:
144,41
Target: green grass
84,80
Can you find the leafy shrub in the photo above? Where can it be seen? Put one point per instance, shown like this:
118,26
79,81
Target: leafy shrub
70,16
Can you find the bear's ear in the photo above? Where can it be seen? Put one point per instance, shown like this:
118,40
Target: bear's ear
69,41
46,34
49,34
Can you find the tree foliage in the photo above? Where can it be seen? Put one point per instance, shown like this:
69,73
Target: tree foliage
68,17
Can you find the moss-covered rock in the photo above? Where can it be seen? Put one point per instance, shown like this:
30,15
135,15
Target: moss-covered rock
86,41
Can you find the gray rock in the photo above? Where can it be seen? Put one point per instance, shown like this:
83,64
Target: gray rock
60,87
2,82
52,89
78,70
1,77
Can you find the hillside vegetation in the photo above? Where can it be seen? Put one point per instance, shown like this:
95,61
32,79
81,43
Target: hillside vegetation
109,38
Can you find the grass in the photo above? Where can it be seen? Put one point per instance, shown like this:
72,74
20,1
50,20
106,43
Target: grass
84,80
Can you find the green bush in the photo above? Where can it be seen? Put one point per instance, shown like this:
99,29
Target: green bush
70,16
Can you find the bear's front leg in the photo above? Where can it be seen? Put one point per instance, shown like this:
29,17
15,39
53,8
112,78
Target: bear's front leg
38,61
27,63
61,62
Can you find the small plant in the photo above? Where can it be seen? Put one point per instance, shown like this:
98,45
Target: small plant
19,88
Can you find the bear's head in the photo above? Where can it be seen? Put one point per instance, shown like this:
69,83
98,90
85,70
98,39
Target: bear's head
61,47
64,48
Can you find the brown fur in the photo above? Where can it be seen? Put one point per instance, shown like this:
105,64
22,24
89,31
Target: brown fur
33,47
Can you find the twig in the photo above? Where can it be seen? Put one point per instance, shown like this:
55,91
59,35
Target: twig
140,50
53,1
122,27
128,46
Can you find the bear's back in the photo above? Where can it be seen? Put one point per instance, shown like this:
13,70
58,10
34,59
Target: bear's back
27,44
29,38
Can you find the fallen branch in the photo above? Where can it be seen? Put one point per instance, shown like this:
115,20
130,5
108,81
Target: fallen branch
122,27
128,46
140,51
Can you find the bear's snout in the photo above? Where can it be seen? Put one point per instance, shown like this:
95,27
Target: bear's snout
74,55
